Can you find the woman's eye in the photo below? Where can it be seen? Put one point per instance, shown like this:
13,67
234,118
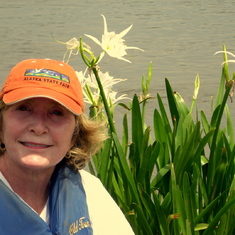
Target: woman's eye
23,108
58,112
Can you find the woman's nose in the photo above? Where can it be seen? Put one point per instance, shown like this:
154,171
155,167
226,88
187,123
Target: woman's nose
38,123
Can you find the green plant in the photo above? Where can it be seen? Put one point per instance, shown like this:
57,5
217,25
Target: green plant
176,177
181,182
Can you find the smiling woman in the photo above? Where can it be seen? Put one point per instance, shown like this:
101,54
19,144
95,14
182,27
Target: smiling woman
43,137
46,140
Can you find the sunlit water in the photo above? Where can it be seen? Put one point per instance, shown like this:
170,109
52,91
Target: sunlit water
179,37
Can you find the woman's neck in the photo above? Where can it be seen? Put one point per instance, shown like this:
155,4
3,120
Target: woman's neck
31,185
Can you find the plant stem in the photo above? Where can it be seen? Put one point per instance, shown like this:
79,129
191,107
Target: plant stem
106,106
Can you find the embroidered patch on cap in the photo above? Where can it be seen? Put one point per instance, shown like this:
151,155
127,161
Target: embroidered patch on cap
47,73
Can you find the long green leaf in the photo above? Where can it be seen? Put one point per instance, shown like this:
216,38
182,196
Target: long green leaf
181,106
142,222
217,217
207,210
104,166
230,129
187,197
137,128
164,226
126,169
172,102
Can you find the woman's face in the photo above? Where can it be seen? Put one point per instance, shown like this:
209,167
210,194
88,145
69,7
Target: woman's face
37,133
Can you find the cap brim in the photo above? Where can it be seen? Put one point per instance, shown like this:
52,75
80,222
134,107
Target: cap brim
21,94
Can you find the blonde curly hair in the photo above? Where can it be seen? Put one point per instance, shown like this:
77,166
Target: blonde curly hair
87,139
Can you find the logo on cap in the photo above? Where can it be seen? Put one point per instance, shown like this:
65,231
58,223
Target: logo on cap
47,73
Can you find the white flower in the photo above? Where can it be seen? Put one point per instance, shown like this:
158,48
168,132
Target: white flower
112,43
113,99
89,96
74,44
107,80
227,52
71,45
91,90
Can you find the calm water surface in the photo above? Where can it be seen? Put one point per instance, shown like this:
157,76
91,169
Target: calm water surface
179,37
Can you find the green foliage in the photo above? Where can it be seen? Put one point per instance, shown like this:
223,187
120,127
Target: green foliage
178,176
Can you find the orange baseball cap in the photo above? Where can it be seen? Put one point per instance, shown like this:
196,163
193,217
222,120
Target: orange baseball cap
44,78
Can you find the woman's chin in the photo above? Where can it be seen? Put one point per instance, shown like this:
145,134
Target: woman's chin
35,162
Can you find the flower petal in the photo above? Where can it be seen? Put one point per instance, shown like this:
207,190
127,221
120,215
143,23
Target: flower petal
105,25
124,32
227,52
112,43
94,39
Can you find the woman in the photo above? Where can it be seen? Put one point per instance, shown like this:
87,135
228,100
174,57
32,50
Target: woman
45,142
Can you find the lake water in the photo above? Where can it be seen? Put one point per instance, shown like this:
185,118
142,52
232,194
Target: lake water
179,37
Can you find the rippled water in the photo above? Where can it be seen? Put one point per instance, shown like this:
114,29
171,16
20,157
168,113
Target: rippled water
179,37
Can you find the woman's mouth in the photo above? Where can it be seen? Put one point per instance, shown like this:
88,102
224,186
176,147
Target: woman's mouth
35,145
